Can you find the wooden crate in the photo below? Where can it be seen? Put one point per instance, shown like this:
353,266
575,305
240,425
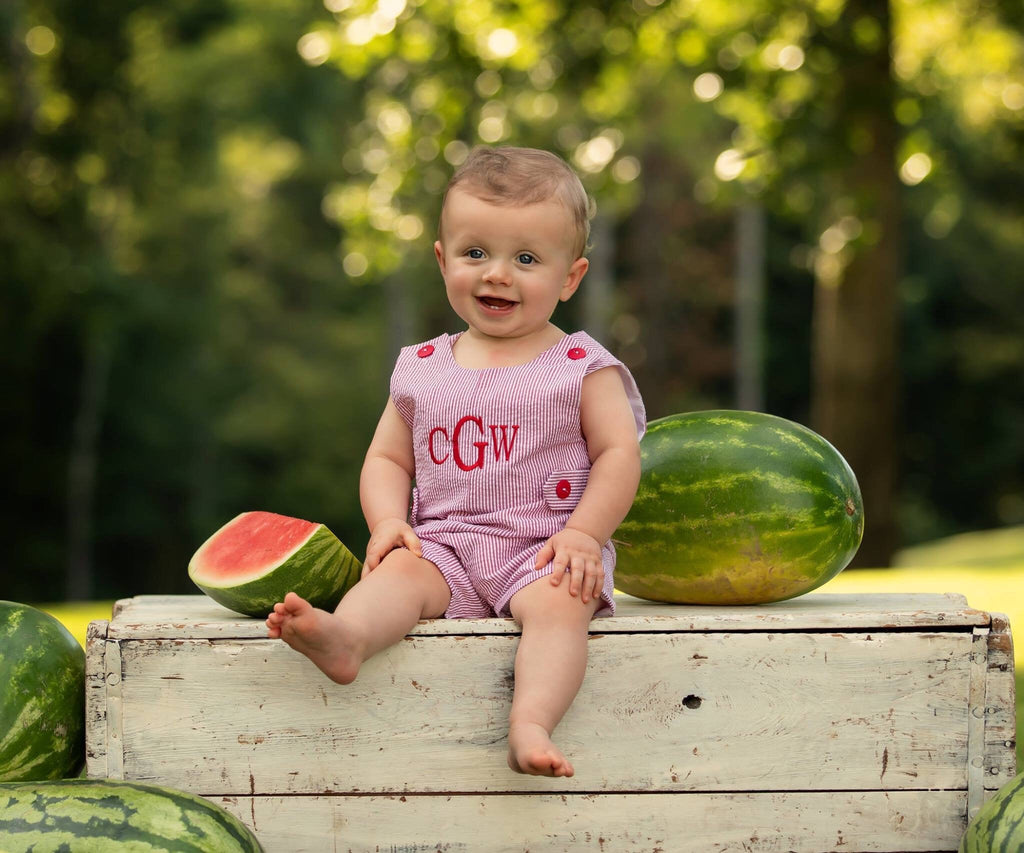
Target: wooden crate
831,722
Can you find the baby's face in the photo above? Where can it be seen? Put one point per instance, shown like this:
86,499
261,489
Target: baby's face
507,267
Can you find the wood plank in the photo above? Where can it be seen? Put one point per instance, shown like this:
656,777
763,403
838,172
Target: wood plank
976,722
857,822
196,616
114,735
657,712
96,699
1000,706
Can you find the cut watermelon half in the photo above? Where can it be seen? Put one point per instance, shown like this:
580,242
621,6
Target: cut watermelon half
253,560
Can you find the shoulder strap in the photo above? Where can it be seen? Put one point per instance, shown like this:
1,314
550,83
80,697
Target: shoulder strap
599,358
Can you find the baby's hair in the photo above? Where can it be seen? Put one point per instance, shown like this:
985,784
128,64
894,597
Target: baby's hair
524,176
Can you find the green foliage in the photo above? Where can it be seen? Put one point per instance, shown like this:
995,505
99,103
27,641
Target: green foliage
169,233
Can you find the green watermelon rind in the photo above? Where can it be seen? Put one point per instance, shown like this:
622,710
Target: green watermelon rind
780,516
97,816
998,827
42,696
322,570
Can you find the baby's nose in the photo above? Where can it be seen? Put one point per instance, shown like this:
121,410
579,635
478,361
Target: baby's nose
498,272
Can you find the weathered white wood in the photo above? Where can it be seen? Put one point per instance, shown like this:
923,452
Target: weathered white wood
976,722
114,732
657,712
196,616
96,699
1000,706
832,722
637,823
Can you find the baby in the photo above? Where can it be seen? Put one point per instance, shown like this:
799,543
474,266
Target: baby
523,443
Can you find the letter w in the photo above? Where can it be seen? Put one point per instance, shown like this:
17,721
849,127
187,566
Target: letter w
504,445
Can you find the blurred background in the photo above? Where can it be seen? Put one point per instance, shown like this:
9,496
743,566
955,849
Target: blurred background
216,220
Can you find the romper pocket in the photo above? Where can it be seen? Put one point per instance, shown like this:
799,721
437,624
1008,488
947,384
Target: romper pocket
563,489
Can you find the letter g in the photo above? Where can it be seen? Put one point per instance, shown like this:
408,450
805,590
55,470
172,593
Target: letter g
479,445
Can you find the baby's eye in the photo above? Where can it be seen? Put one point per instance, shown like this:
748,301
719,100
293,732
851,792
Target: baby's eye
526,259
475,254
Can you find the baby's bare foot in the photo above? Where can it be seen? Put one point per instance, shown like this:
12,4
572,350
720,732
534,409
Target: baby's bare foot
319,635
531,751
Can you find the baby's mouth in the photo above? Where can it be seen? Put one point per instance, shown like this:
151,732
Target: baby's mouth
496,302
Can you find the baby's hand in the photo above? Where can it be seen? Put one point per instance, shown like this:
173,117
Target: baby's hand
389,534
579,554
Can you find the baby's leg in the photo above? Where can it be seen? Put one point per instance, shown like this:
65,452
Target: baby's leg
550,665
376,613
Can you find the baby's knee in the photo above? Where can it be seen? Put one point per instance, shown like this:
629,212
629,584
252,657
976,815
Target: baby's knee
543,602
403,569
401,562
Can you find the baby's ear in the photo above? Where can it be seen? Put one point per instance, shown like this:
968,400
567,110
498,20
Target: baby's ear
439,254
573,278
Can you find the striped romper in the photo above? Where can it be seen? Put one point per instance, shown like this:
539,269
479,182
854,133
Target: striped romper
501,463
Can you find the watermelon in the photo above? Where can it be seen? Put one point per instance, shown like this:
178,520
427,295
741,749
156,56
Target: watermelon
97,816
736,507
42,696
257,557
998,827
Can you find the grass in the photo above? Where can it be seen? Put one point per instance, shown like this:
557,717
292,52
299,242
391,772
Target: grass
986,567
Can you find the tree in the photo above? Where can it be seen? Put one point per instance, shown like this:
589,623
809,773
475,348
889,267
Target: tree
175,323
859,268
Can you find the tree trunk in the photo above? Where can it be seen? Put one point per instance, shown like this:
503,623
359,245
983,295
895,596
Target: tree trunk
598,285
856,308
26,97
676,275
82,468
401,323
749,329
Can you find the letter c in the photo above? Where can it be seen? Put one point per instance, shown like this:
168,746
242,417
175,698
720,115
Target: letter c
430,445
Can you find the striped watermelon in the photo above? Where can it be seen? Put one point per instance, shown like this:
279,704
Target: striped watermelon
42,696
257,557
736,508
101,816
998,827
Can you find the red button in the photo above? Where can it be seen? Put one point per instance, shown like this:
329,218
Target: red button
577,352
423,352
563,489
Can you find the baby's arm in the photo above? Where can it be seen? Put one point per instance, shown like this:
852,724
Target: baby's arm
614,451
384,486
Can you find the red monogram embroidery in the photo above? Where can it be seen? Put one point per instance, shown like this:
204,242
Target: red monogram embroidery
502,442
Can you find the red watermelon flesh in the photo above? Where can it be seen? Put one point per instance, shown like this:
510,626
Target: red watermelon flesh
250,544
257,557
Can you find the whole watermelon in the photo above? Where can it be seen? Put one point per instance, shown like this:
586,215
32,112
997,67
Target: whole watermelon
737,507
999,824
42,696
107,816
